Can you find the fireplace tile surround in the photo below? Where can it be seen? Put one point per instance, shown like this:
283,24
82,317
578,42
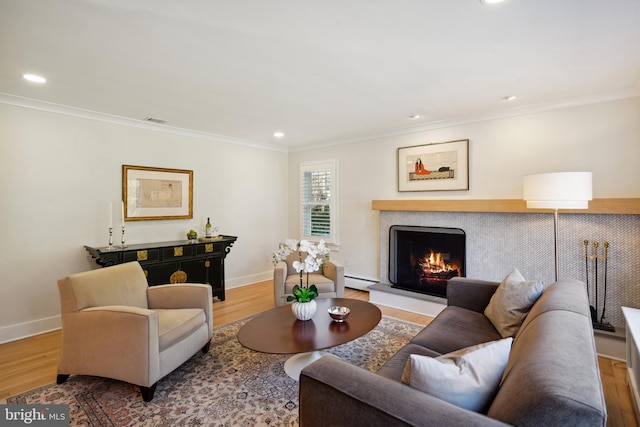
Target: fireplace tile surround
497,242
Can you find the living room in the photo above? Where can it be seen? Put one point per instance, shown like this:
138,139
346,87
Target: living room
69,197
62,169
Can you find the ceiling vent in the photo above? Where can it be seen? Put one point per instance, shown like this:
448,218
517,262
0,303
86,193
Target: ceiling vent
154,120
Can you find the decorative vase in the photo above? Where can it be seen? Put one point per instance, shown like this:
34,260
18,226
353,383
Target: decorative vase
304,310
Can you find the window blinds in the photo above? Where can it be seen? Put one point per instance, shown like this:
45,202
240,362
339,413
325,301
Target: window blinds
316,203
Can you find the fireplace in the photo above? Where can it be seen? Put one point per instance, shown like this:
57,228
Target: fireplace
423,259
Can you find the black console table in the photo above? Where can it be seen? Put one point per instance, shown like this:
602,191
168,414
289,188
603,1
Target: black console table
174,262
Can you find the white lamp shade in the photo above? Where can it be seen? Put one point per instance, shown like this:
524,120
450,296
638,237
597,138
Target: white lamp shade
558,190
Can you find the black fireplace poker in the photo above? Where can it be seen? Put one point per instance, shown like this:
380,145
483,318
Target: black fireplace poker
604,297
594,313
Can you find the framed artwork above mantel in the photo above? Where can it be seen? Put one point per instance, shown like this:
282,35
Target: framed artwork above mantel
442,166
151,193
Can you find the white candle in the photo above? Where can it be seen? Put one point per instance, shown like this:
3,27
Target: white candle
110,214
122,212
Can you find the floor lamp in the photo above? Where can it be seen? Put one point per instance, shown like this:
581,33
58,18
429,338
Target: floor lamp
557,190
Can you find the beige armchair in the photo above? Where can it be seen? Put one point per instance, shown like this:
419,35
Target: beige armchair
329,279
114,325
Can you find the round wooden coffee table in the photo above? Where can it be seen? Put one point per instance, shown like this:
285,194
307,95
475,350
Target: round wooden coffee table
278,331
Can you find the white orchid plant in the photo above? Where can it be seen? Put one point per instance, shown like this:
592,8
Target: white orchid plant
316,256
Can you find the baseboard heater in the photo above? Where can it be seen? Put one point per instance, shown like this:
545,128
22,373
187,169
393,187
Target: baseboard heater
358,283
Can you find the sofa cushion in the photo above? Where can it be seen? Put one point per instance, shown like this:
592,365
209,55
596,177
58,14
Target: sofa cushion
511,302
175,324
455,328
323,283
552,376
122,284
568,295
468,378
394,367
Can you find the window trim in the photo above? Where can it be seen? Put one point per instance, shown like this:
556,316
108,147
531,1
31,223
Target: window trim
316,165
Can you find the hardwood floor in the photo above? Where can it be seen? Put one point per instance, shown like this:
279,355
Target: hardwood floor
32,362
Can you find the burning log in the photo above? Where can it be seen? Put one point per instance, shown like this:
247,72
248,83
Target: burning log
435,269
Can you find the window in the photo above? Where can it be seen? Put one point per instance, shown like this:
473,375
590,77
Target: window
318,201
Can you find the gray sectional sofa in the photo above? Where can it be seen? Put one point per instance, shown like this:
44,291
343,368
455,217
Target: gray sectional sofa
551,377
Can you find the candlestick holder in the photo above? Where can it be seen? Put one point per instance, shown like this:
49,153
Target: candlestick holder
110,248
122,239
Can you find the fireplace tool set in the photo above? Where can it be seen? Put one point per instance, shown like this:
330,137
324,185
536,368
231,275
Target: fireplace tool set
598,323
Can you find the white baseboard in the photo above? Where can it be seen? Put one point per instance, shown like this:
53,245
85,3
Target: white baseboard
238,282
29,329
611,346
358,283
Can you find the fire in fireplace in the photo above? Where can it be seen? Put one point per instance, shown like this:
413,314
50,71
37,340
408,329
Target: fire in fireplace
423,259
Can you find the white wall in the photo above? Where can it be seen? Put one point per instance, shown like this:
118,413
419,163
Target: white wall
603,138
58,174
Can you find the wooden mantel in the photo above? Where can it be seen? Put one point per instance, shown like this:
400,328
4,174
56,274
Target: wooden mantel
596,206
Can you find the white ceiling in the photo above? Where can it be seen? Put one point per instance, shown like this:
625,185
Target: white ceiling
321,71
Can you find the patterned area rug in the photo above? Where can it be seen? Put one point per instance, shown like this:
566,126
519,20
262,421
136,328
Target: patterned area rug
229,386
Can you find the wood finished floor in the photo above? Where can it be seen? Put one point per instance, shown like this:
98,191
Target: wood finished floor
32,362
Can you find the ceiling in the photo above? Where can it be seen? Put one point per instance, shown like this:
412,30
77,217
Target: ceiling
323,71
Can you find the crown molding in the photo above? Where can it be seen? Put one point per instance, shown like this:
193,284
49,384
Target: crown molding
35,104
50,107
483,117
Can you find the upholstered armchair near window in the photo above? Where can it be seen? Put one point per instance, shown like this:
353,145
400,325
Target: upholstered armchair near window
114,325
329,279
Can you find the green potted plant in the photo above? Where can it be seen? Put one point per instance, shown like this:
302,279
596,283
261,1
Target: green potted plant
303,296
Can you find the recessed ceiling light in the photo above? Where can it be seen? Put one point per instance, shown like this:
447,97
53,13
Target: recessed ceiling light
415,116
34,78
509,98
491,1
278,134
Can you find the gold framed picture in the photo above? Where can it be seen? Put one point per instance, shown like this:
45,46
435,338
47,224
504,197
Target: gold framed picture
150,193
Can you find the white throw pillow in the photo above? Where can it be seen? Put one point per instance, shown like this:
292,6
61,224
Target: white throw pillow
511,303
468,378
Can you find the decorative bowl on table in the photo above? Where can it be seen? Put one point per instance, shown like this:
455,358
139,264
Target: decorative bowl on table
339,313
